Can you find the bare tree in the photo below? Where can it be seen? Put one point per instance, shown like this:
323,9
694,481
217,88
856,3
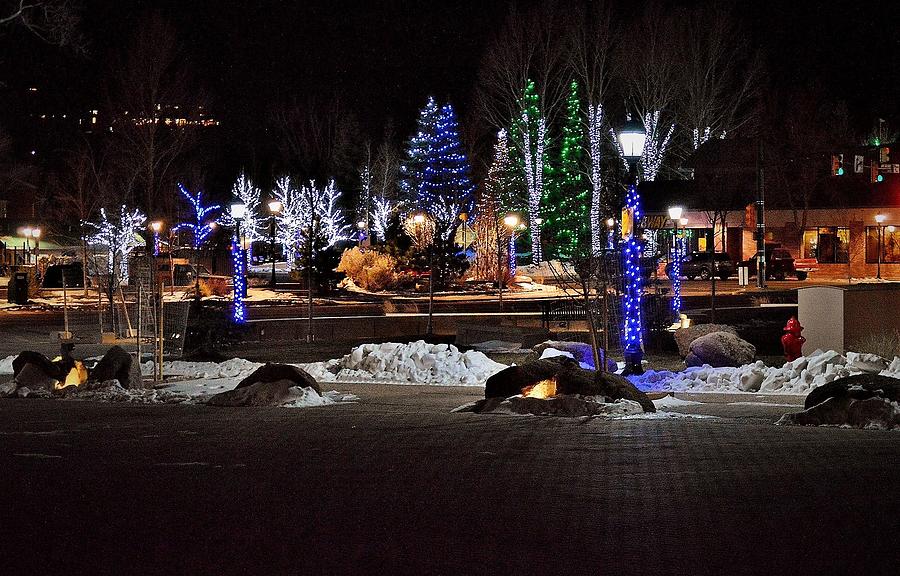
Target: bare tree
152,85
53,21
530,46
592,61
718,73
650,69
80,196
319,138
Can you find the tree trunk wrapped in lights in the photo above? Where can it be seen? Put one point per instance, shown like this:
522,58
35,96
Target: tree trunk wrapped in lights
534,178
632,332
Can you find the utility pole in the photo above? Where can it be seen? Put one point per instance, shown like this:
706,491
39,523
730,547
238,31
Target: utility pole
760,217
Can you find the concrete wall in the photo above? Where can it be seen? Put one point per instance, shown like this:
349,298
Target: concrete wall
840,318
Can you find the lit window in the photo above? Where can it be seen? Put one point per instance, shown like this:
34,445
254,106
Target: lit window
827,244
890,245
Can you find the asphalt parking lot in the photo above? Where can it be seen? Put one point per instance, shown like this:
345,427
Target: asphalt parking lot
396,484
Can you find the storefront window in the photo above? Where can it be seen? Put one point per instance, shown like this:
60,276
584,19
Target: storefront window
890,249
827,244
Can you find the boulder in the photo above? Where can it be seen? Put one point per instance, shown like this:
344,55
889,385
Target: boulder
117,364
684,336
510,381
258,394
275,372
38,360
570,380
857,387
874,412
8,389
720,349
578,351
33,377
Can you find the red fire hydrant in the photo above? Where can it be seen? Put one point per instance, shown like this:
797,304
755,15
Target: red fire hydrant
792,341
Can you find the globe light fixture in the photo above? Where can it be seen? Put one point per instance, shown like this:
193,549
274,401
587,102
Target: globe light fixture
238,210
632,138
36,232
156,226
361,224
419,218
880,218
275,206
675,213
683,222
512,220
610,222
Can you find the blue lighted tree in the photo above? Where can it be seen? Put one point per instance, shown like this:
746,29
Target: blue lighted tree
203,223
446,190
412,169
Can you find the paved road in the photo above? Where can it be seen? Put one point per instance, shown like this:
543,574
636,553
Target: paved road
398,485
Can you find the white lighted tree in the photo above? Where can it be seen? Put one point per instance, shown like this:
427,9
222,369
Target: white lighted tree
534,178
253,225
118,235
309,214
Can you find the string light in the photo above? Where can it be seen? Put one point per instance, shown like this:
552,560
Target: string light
567,200
534,175
598,231
118,236
632,336
655,146
446,190
309,212
202,226
677,259
253,225
239,276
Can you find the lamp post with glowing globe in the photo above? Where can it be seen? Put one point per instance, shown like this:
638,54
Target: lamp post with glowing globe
632,137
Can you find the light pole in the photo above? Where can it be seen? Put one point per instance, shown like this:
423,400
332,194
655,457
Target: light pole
156,226
239,279
274,209
880,218
36,234
26,232
632,138
512,222
675,216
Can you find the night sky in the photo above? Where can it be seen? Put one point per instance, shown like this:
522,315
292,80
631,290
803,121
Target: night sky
384,57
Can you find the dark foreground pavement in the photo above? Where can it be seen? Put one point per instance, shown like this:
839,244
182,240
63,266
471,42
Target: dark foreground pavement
397,485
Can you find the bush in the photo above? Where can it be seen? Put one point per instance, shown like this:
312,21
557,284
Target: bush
885,344
370,270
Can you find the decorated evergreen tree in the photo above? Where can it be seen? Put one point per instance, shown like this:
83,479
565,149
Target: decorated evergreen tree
446,190
531,144
566,220
412,169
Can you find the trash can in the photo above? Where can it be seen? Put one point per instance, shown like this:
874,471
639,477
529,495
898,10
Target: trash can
17,291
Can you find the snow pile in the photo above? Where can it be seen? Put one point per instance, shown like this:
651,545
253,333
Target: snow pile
797,377
6,365
228,369
112,391
413,363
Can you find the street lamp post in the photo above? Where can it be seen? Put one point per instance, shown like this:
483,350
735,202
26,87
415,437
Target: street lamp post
632,138
156,226
675,216
880,218
274,209
238,211
512,222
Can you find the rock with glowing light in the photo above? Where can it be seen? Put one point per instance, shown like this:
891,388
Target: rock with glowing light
36,359
561,376
33,377
719,349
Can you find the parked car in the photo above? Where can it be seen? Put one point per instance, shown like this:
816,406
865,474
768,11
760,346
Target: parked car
704,265
779,265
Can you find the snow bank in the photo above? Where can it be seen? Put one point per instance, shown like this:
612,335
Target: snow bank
412,363
228,369
6,365
797,377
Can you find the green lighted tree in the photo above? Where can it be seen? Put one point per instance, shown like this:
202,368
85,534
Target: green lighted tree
566,207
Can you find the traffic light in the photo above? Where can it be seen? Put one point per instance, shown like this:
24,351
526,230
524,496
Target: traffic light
874,176
837,164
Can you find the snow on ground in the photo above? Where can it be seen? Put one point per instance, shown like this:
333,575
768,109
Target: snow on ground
6,365
797,377
411,363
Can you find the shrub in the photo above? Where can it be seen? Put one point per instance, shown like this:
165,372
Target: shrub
370,270
885,344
